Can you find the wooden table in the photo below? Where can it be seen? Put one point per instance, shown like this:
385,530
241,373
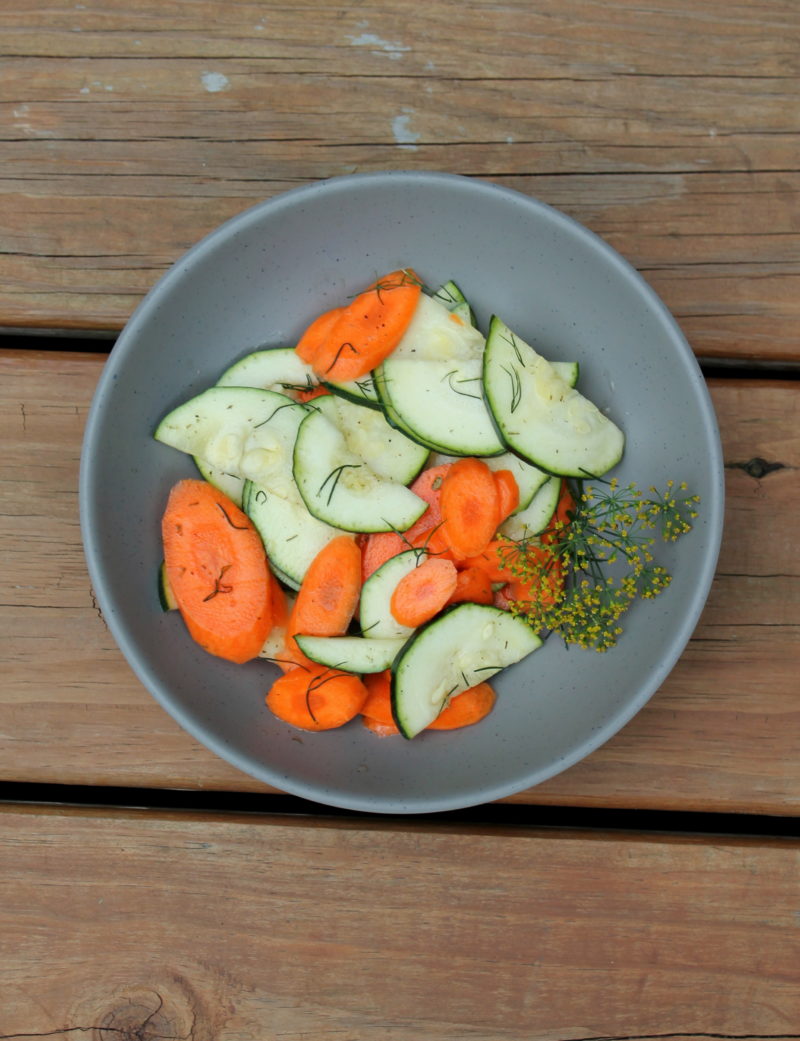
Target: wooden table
150,890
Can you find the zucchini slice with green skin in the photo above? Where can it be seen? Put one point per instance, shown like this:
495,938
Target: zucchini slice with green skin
450,296
244,431
536,515
361,391
340,488
459,648
386,450
430,385
375,613
292,537
278,369
539,415
359,654
165,595
439,404
228,484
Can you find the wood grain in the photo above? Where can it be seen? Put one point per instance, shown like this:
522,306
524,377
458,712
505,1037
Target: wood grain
147,926
671,131
719,735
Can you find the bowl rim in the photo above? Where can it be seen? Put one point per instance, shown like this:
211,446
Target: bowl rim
714,498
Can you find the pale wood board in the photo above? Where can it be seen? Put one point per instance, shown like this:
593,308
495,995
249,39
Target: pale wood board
719,735
672,132
145,925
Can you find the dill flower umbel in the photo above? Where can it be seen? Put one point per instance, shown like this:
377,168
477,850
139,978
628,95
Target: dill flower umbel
596,558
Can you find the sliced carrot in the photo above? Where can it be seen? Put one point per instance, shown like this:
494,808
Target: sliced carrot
428,486
369,327
328,596
473,585
496,559
380,728
562,516
423,592
466,708
378,705
377,548
469,501
434,542
500,559
543,586
316,698
316,334
280,614
217,569
507,494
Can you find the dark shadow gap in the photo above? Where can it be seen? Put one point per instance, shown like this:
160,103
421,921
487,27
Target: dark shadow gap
510,815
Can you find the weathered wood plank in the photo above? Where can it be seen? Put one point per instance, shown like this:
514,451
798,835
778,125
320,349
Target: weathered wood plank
719,735
670,131
226,928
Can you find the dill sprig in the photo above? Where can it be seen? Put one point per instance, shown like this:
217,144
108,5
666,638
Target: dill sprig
588,568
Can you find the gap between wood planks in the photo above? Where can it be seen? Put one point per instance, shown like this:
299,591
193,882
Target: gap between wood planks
102,343
517,816
513,815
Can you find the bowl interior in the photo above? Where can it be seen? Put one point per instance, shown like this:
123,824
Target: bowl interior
257,281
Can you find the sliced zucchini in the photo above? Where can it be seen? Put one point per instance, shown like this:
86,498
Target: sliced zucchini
275,644
536,515
292,537
458,649
274,368
568,371
361,391
228,484
439,403
358,654
375,613
451,297
539,415
430,385
165,595
386,450
341,489
244,431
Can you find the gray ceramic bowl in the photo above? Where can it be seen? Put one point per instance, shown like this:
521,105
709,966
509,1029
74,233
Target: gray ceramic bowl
258,280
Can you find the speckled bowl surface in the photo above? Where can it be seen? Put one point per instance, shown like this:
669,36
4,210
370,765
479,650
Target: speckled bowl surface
259,279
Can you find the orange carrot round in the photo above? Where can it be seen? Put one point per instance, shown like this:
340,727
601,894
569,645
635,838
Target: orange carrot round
542,586
316,335
428,486
497,559
423,592
434,542
507,494
380,728
316,698
328,596
474,585
378,705
469,501
218,572
369,328
466,708
377,548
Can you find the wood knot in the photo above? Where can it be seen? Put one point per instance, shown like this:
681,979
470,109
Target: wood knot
137,1020
757,467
